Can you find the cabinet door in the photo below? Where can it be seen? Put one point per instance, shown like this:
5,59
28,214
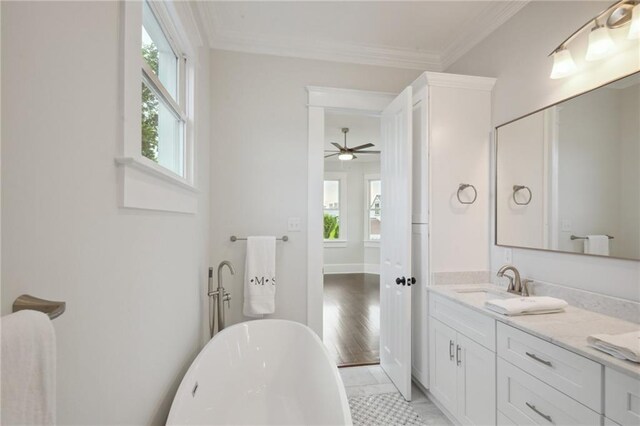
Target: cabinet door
442,364
476,383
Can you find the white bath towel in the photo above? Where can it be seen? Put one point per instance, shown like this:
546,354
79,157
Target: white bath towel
28,372
597,244
260,277
622,346
526,305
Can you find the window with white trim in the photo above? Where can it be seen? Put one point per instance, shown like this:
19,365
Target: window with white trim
158,103
373,209
163,96
335,207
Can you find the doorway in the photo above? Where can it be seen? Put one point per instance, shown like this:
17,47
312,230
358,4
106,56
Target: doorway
351,238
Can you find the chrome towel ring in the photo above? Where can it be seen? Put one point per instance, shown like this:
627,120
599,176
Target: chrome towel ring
464,186
516,189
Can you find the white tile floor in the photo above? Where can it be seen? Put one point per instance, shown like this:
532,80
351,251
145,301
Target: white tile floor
372,380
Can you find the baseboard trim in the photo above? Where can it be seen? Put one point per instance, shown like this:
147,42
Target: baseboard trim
352,268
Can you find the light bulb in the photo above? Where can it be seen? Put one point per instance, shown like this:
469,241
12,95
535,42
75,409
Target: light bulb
600,43
345,156
634,31
563,64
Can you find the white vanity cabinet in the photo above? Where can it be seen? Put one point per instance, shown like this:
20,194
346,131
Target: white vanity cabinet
463,375
622,398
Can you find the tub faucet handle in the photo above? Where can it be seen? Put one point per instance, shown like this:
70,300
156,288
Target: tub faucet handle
227,298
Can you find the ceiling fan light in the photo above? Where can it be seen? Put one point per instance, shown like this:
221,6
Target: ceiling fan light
345,156
634,30
600,44
563,64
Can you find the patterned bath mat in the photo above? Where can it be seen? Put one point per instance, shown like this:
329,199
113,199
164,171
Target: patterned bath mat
383,410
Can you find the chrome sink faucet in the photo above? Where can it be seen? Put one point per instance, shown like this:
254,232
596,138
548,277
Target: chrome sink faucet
516,285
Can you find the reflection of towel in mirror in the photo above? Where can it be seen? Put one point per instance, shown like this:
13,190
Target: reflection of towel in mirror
28,369
260,277
526,305
597,244
622,346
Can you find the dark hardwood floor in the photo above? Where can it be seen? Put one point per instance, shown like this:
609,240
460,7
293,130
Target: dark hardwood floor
352,318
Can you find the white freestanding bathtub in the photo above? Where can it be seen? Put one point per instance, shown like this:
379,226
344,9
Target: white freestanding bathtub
264,372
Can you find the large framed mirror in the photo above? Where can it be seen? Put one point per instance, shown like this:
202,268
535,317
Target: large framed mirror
568,176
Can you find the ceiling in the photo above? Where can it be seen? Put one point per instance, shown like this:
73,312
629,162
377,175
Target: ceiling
362,129
425,35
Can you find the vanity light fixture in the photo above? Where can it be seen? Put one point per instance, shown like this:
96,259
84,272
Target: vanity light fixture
601,45
563,64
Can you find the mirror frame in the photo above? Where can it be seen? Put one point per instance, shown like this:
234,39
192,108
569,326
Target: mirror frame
495,177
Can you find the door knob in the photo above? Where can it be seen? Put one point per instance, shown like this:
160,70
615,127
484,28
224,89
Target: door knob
413,280
401,281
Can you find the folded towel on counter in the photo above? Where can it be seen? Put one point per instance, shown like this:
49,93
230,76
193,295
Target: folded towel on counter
28,372
260,277
597,244
526,305
621,346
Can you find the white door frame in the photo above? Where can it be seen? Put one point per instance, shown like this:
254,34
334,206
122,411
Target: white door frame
323,99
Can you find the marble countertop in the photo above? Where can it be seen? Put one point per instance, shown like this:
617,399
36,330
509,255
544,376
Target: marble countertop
568,329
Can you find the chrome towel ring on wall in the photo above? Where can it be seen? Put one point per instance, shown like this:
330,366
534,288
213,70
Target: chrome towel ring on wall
464,186
516,189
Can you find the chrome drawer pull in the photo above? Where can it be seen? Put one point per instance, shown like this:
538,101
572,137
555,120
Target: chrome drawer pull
538,412
539,359
458,360
450,350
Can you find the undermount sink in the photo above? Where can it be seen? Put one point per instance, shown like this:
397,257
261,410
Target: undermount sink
485,293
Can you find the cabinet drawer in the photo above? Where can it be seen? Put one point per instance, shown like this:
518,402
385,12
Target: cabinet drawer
476,326
572,374
523,399
622,398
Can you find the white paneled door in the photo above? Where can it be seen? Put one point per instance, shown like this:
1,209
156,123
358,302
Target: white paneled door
395,242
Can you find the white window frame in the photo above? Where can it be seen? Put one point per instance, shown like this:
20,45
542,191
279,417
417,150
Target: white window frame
146,184
367,179
343,188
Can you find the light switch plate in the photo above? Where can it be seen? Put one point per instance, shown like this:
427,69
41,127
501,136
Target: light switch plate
293,225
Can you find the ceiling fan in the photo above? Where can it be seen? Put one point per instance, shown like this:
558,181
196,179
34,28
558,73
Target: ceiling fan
345,153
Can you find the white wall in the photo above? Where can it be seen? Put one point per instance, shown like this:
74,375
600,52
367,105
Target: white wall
133,280
259,151
355,255
516,53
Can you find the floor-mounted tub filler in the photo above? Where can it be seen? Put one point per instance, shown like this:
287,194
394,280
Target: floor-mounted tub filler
263,372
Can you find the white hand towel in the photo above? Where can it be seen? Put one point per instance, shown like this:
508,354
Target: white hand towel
597,244
621,346
260,277
526,305
28,372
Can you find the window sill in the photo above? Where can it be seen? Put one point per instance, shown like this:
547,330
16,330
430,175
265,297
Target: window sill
145,185
335,243
372,243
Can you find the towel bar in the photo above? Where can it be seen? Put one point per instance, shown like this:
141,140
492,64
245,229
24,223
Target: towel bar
52,308
575,237
233,238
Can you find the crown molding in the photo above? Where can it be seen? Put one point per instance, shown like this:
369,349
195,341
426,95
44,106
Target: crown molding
479,28
458,81
325,50
476,30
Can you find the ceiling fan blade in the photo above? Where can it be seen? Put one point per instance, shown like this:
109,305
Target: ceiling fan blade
328,150
331,155
354,157
337,145
366,145
368,152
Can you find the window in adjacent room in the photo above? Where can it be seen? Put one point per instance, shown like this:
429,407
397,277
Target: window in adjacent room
373,200
332,209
